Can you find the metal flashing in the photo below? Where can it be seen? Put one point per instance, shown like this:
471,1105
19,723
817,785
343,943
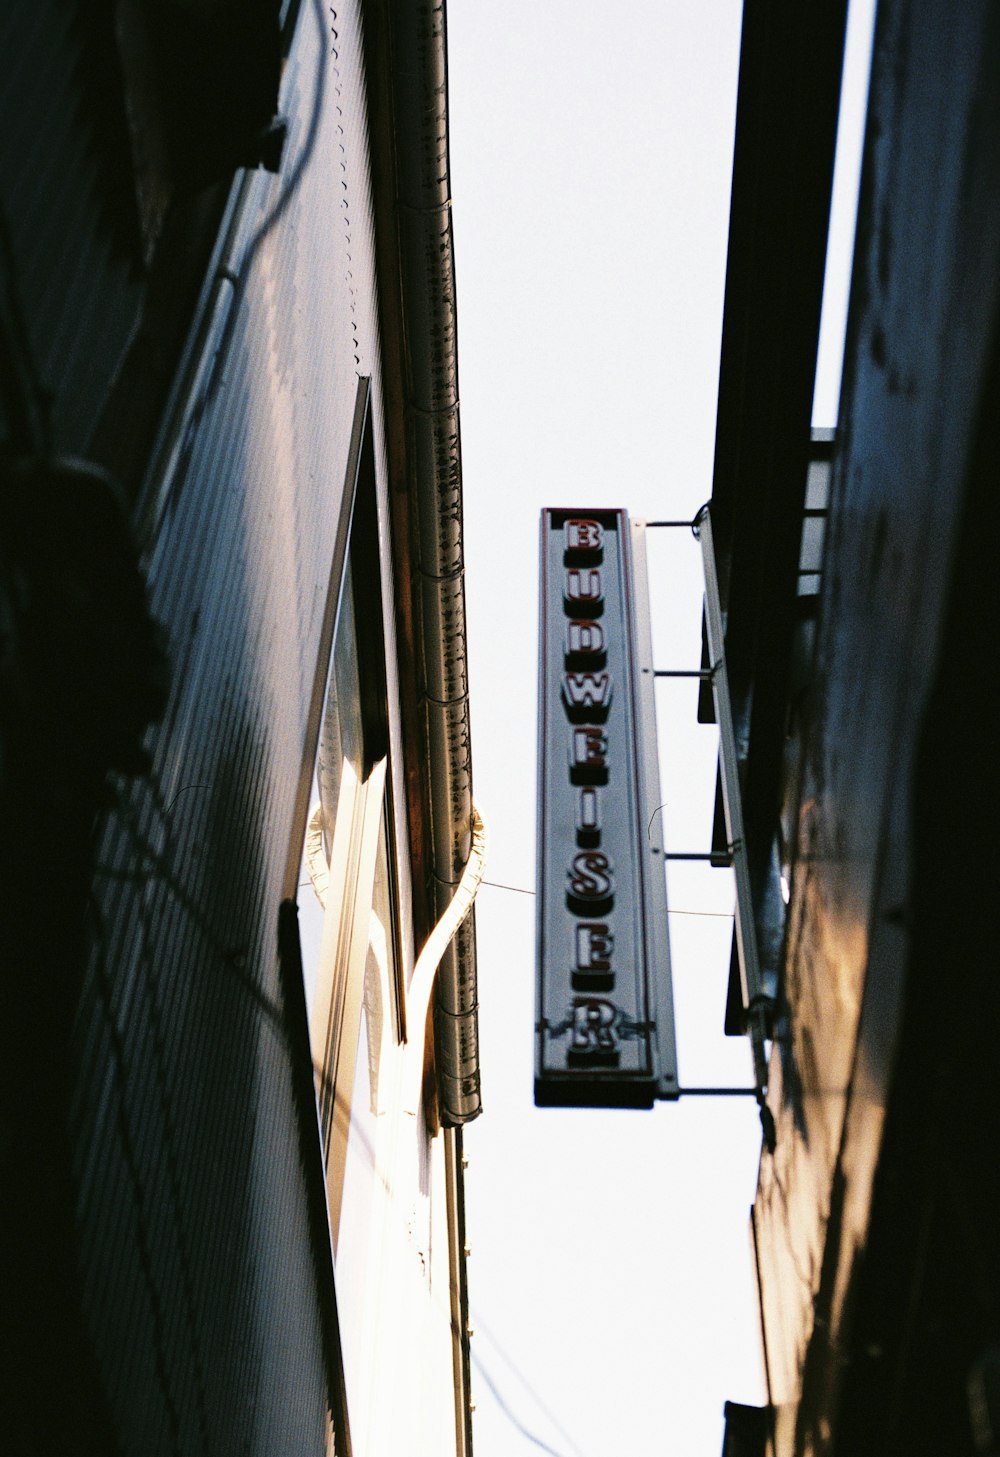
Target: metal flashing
415,261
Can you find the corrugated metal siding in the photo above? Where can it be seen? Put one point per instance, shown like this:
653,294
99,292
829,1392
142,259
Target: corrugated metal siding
193,1210
65,192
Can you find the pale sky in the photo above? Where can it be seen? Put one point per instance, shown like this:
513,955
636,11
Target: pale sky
591,152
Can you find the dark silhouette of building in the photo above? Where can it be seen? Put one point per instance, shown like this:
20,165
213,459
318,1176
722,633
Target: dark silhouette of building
230,585
857,581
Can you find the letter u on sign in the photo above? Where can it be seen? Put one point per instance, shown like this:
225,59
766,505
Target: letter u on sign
583,590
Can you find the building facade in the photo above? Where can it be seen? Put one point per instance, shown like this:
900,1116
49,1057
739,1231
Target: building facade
234,682
855,580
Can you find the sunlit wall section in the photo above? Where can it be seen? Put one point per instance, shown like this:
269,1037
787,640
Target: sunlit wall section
274,545
858,601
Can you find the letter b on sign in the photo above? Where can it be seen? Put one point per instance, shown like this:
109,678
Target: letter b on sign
584,540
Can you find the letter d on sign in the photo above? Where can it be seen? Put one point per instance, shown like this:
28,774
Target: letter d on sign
585,644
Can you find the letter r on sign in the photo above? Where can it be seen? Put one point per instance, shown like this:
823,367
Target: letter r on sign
594,1029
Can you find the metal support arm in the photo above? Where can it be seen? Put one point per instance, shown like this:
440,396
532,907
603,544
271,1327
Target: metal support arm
756,1003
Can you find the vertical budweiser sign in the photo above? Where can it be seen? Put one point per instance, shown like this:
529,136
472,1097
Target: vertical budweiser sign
604,1018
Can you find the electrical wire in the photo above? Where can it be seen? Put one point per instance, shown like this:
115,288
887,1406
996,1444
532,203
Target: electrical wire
290,185
483,1329
512,1416
671,910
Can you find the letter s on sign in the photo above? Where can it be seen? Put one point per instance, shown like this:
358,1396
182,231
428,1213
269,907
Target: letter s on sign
590,883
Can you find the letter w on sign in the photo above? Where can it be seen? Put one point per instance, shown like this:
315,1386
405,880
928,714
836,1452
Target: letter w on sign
587,696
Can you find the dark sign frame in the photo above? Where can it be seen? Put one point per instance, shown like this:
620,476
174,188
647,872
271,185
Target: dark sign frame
604,1006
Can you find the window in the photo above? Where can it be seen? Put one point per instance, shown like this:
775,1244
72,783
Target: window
352,966
355,947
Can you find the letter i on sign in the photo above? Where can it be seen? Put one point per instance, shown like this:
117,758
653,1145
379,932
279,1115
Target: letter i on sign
588,818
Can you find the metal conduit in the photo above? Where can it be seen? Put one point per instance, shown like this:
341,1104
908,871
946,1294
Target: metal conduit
432,954
429,962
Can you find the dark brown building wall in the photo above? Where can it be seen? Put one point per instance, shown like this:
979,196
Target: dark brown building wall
883,1090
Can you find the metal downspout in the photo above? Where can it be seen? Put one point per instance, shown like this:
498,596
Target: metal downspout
427,282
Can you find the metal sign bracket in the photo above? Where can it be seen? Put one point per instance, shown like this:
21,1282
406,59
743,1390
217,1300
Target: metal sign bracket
757,1005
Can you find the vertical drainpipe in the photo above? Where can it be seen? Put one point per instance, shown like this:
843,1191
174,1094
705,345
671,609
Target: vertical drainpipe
433,449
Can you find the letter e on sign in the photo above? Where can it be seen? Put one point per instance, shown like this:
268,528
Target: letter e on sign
588,756
592,961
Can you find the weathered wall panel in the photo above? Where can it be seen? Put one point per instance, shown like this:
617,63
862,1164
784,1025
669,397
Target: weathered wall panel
194,1221
71,236
923,315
